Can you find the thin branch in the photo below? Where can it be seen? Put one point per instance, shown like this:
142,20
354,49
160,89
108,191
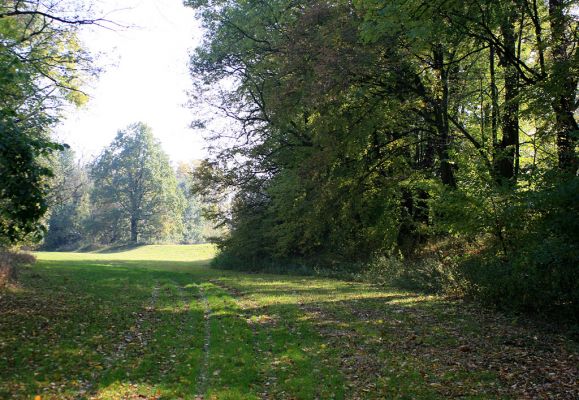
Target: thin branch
100,22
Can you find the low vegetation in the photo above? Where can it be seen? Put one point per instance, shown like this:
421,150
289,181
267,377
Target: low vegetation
155,322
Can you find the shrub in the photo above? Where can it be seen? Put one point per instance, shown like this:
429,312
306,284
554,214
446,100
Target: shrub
8,263
433,269
539,278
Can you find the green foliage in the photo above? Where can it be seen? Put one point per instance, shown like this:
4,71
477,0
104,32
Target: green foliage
534,266
135,193
23,145
24,184
193,221
514,250
425,274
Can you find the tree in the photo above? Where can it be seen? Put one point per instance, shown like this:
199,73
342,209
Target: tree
135,186
68,202
564,80
42,65
193,222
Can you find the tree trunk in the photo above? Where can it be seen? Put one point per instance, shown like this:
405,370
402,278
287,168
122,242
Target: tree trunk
564,86
494,111
507,154
134,230
441,120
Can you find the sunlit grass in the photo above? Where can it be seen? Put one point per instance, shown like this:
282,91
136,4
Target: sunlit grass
182,253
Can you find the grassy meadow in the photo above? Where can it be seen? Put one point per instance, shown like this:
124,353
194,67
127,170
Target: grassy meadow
156,322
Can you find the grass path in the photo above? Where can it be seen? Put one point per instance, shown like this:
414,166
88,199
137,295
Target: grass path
155,322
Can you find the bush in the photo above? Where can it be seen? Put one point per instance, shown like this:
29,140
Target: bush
529,260
226,261
540,278
433,269
8,263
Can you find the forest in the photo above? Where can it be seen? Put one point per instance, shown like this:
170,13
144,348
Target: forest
432,144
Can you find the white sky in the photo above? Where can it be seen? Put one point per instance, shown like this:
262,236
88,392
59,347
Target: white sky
145,79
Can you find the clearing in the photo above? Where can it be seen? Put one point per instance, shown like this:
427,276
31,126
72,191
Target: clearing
155,322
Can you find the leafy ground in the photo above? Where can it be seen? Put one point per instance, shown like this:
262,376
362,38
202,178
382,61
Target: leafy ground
155,322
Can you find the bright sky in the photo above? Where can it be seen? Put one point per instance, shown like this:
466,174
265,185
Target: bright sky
146,79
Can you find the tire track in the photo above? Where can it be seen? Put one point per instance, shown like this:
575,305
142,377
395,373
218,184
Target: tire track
134,333
257,322
203,377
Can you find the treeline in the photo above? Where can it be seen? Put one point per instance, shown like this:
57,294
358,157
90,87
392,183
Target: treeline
433,142
129,194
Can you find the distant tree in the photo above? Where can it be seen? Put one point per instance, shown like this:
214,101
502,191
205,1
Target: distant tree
135,186
193,222
68,202
106,225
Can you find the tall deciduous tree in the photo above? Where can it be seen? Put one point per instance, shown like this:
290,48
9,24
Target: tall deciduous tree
564,79
135,183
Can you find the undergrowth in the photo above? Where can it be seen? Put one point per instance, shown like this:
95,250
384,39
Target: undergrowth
539,279
9,262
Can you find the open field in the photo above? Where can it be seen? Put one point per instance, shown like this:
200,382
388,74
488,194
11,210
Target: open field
156,322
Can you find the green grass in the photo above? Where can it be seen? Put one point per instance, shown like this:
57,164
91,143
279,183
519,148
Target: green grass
157,322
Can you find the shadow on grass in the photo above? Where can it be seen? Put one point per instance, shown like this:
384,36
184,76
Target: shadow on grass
78,327
102,339
119,248
86,328
136,266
